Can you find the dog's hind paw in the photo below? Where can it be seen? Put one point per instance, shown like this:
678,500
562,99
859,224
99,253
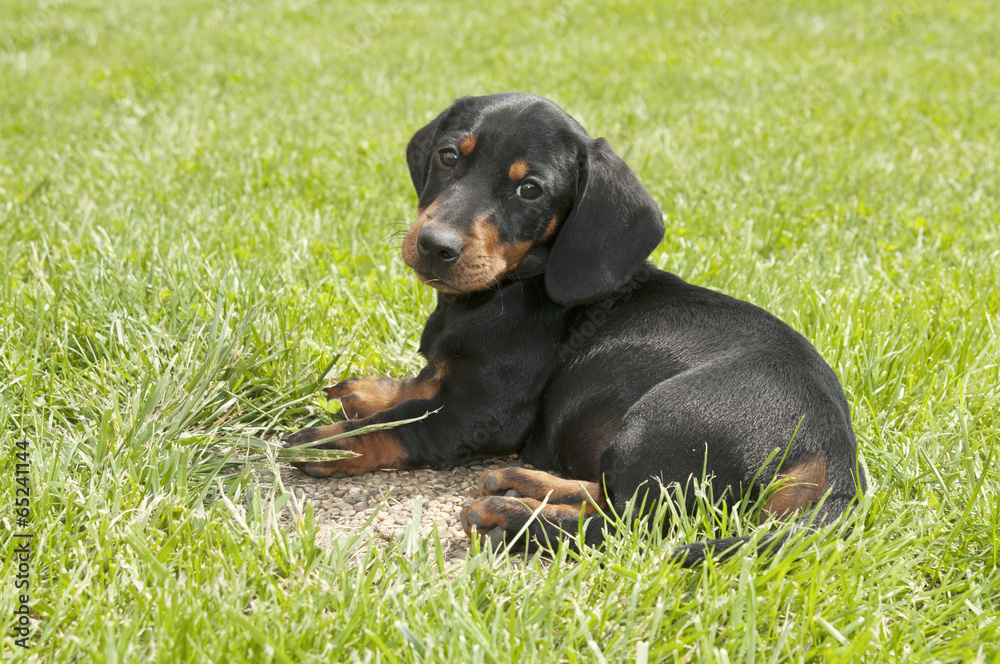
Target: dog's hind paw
496,520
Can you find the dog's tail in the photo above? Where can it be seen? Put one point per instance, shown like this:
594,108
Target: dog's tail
693,555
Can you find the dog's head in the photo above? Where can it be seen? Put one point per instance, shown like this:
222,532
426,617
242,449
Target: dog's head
510,185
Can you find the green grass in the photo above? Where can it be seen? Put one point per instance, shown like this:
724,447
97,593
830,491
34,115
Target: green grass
197,208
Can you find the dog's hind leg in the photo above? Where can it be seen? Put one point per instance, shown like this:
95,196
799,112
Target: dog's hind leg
524,483
692,555
737,426
526,524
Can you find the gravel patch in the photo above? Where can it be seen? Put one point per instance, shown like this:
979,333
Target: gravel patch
342,505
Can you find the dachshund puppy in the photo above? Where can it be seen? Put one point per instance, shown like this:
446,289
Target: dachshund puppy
554,339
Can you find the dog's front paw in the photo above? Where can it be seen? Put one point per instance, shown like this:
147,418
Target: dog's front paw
365,396
310,435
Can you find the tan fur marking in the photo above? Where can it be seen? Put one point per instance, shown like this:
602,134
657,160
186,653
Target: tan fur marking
484,241
518,171
508,513
558,512
468,144
365,396
379,449
440,368
484,238
801,485
550,230
414,388
409,249
539,485
485,259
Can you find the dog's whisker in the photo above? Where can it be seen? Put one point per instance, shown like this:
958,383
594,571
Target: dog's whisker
391,237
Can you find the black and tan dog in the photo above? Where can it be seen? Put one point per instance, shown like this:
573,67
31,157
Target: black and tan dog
554,339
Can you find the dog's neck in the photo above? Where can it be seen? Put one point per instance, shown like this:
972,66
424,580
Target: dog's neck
532,265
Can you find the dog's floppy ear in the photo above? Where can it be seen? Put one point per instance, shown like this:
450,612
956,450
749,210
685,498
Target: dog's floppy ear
421,146
612,228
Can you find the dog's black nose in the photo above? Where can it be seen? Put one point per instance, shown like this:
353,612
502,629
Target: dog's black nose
440,245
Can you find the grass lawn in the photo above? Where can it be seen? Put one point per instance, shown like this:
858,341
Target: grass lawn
198,203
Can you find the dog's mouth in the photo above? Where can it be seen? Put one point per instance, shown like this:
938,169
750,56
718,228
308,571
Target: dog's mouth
438,274
437,283
465,276
454,261
472,259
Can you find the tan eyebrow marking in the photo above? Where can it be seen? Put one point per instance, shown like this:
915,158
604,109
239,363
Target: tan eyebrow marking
518,170
468,144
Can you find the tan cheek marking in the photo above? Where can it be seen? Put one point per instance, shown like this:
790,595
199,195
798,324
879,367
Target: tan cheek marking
409,249
485,242
514,253
803,484
484,239
550,230
518,171
468,144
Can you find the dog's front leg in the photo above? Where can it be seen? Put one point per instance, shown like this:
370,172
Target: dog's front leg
363,397
378,449
455,430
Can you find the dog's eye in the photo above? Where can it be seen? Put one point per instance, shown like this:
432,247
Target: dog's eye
529,190
448,157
